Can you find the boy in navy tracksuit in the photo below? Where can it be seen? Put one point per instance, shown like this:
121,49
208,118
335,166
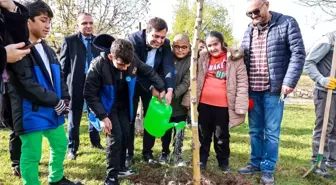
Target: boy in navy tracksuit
109,91
39,100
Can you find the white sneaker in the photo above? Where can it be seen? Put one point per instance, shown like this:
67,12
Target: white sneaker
181,164
125,172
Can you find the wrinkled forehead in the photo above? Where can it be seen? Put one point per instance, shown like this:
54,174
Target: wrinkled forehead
254,4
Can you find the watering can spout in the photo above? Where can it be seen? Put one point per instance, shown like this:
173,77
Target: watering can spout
169,126
180,125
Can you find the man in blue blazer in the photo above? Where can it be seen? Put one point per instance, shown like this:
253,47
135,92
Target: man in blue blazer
153,48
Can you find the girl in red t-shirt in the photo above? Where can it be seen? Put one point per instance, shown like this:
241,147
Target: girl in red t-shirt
222,92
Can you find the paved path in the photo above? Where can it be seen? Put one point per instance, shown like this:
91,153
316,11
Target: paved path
299,101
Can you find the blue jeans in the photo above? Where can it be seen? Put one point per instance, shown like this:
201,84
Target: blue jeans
264,122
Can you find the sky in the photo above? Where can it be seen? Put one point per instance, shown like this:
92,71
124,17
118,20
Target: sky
306,17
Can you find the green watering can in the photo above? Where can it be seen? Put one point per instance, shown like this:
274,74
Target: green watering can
157,118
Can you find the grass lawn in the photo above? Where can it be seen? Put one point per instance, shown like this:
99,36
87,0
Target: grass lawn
295,154
305,82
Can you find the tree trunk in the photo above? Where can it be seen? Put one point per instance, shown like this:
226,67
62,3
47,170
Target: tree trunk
193,94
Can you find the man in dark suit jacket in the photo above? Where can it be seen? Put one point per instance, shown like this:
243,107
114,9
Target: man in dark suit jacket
153,48
76,54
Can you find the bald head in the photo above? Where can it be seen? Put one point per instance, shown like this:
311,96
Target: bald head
257,10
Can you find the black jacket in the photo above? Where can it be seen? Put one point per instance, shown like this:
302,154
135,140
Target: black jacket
33,94
99,91
163,59
73,60
13,29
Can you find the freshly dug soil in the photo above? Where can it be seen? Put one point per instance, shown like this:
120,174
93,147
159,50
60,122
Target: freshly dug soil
149,175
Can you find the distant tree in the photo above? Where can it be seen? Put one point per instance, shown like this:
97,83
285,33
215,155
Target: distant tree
328,6
215,17
116,17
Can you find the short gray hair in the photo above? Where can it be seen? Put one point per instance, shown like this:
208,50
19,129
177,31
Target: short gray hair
181,37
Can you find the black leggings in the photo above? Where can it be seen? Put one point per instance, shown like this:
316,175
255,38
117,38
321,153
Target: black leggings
214,121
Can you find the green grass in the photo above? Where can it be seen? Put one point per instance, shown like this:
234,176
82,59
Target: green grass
295,154
305,82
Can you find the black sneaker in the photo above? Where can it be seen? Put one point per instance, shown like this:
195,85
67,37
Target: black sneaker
203,165
249,170
164,159
150,160
224,168
323,172
332,167
267,178
125,172
111,181
99,147
16,171
65,181
129,161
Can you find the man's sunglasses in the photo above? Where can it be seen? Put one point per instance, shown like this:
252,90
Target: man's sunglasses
255,11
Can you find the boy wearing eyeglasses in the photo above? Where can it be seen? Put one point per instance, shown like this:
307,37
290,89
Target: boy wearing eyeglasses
181,51
274,57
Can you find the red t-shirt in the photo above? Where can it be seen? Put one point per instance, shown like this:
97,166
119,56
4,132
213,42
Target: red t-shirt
214,90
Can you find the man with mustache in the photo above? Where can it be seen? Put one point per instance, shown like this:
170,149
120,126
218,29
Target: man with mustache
77,52
153,48
274,56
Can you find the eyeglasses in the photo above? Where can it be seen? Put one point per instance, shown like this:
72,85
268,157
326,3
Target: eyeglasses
255,11
183,48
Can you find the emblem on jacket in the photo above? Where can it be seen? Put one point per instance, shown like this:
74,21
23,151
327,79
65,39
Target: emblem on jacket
134,70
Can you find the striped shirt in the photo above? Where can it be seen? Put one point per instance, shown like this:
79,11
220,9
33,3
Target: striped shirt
259,74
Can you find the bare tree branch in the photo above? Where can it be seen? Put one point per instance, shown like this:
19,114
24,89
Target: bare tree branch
327,6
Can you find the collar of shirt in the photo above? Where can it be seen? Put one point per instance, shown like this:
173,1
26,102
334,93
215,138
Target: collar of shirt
151,57
148,47
38,41
263,27
84,39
